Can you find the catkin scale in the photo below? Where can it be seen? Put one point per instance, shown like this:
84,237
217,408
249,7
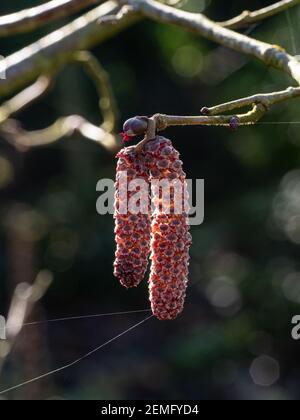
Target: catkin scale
170,237
132,231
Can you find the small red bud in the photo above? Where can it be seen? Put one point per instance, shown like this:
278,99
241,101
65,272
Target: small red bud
125,137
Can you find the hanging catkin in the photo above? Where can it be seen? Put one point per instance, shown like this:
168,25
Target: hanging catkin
170,237
132,231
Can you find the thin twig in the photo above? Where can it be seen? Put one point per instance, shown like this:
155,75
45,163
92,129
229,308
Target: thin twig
29,19
247,18
259,104
255,114
266,99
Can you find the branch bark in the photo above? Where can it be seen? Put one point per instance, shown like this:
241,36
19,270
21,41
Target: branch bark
260,105
247,18
266,99
22,139
272,55
52,52
29,19
55,50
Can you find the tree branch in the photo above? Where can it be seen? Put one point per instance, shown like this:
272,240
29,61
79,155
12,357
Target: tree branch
268,54
24,98
249,118
55,50
63,127
266,99
107,101
247,18
272,55
29,19
13,132
259,104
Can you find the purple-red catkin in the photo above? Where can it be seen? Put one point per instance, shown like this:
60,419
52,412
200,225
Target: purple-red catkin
170,237
132,231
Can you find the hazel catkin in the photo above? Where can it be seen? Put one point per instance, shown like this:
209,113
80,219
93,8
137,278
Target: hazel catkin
170,237
132,231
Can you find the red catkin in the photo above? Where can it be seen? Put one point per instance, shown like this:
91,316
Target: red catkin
170,237
132,231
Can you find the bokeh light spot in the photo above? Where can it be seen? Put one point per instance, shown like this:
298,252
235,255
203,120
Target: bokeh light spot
265,371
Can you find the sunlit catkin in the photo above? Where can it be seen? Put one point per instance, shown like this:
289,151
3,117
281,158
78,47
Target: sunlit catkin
170,237
132,228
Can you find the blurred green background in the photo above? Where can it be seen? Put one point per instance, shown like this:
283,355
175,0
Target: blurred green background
233,340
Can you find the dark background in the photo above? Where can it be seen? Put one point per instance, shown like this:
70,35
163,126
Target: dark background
233,340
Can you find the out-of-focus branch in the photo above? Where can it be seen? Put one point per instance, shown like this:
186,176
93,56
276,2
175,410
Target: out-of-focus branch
100,77
114,18
63,127
23,301
29,19
24,98
13,132
247,18
52,52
